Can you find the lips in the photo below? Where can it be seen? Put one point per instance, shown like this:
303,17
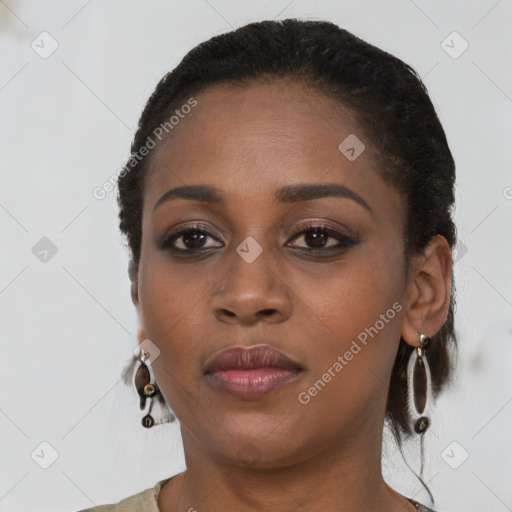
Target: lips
250,373
260,356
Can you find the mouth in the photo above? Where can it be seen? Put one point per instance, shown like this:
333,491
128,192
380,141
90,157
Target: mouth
250,373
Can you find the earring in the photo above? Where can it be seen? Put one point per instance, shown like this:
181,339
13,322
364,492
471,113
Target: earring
147,389
419,388
419,398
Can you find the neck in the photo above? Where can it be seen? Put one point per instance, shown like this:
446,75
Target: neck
343,478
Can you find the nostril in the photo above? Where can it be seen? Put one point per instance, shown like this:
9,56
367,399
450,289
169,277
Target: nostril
267,312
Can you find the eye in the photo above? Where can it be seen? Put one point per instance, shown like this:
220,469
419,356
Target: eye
317,236
189,239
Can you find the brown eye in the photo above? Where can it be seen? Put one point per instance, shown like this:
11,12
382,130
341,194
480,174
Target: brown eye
188,239
319,237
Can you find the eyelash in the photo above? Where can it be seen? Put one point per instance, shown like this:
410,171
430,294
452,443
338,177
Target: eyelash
345,241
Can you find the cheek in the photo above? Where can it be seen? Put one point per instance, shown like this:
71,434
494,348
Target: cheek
356,314
345,299
172,305
171,318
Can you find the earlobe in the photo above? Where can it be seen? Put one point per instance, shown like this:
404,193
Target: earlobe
429,292
134,289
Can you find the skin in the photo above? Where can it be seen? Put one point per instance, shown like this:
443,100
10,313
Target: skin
325,455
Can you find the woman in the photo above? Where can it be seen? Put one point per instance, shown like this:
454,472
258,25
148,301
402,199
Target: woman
287,207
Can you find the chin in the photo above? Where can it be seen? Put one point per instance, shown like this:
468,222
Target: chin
259,450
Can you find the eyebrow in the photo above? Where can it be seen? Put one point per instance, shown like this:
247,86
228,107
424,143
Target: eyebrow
288,194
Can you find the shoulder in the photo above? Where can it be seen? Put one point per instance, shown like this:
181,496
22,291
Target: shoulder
144,501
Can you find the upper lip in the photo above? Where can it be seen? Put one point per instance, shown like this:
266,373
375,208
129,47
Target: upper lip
247,358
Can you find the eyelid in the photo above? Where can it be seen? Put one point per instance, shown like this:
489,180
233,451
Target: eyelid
321,224
192,224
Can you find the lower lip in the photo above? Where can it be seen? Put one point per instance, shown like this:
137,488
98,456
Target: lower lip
250,384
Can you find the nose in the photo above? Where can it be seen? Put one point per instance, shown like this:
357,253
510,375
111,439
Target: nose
251,292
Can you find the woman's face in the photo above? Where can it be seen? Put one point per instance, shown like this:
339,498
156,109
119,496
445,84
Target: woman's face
255,272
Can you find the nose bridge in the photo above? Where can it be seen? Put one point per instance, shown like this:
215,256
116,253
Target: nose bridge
251,288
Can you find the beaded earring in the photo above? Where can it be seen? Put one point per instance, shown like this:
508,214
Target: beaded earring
148,389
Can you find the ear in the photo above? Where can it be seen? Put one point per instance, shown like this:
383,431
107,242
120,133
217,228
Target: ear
428,291
133,272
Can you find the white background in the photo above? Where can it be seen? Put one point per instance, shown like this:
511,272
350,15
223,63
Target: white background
68,325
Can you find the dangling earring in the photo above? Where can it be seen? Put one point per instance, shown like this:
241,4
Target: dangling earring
419,387
419,398
147,389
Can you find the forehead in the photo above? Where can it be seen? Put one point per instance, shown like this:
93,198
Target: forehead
251,140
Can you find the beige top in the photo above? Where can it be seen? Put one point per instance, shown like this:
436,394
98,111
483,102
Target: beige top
145,501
